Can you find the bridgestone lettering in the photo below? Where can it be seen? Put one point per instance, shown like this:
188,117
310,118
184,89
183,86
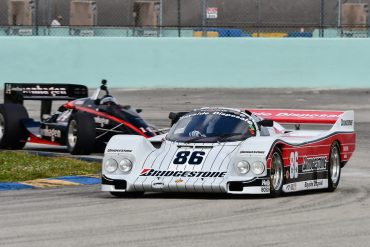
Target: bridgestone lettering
189,174
314,164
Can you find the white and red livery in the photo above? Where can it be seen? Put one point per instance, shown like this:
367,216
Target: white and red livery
225,150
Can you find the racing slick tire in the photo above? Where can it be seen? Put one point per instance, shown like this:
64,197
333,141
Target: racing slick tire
13,134
81,134
334,168
127,194
276,174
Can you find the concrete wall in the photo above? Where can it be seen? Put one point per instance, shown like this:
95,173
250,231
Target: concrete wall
187,62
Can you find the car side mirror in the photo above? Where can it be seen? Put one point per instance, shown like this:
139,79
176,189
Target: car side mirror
266,123
175,116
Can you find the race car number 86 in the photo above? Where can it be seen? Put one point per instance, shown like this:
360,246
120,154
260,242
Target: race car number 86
184,157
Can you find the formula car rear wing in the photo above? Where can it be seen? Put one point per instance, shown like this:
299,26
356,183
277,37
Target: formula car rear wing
341,120
16,93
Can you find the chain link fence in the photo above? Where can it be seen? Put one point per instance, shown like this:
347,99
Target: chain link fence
185,18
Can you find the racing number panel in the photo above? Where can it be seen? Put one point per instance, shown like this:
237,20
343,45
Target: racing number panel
310,161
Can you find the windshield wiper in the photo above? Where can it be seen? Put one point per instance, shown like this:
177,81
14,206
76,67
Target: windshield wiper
224,137
195,139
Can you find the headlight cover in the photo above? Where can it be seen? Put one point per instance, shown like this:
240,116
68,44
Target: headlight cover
243,167
110,165
258,167
125,165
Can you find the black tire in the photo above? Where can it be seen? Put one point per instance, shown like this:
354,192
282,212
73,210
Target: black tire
127,194
99,147
276,174
81,133
334,169
13,134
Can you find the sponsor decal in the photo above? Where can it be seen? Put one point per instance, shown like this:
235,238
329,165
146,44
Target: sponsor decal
52,133
101,121
345,148
314,164
146,172
46,91
346,122
265,188
314,184
252,152
287,175
179,181
297,115
239,115
119,150
306,115
291,187
265,182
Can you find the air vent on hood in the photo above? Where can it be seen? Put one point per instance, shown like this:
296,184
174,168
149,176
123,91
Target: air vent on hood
191,146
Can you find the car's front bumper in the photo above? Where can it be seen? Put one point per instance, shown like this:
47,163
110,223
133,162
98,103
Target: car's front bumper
252,186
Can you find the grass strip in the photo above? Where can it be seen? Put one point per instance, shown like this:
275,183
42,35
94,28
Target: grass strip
21,166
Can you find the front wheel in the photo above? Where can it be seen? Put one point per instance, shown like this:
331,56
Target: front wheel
334,167
81,134
276,174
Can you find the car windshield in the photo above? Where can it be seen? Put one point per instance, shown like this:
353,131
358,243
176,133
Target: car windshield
212,126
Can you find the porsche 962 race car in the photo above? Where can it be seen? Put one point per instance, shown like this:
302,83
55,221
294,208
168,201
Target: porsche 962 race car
84,124
233,151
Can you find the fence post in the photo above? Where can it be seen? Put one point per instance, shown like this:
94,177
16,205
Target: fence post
160,17
339,17
204,17
258,17
322,9
179,17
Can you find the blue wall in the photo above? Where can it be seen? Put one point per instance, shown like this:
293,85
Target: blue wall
187,62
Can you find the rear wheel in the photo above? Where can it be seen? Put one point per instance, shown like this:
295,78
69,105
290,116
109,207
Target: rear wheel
276,174
127,194
81,133
13,135
334,167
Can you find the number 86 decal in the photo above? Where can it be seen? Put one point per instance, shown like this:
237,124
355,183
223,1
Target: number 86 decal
294,165
195,158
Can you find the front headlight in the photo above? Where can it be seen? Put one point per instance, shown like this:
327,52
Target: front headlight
243,167
125,165
110,165
258,167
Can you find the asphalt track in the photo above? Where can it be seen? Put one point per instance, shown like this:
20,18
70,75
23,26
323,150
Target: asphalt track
84,216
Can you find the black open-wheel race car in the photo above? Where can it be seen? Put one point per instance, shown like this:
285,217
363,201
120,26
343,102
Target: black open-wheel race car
83,124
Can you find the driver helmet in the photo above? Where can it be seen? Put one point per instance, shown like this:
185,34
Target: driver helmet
108,100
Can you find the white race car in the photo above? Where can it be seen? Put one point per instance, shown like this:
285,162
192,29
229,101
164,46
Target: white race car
234,151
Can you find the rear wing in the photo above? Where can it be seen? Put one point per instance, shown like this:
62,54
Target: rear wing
341,120
16,93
